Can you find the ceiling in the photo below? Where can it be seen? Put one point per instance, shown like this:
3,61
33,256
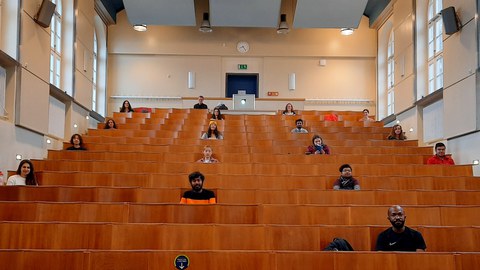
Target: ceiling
248,13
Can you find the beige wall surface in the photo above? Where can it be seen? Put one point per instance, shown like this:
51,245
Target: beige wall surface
156,63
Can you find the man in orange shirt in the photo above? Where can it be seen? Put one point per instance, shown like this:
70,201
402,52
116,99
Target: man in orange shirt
440,157
198,195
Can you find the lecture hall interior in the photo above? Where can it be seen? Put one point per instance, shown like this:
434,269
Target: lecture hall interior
67,66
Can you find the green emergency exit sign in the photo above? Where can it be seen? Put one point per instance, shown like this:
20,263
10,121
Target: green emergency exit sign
242,66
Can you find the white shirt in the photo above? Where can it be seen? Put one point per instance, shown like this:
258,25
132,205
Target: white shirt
16,180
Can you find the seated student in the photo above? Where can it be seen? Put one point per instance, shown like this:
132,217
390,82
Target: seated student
77,143
397,133
126,107
110,124
289,110
399,237
346,181
207,155
198,195
217,114
317,147
212,133
365,117
299,128
25,175
440,157
200,104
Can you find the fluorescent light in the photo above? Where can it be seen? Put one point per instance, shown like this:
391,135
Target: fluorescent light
205,26
346,31
283,26
140,27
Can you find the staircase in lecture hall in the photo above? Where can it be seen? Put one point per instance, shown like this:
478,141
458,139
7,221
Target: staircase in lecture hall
116,206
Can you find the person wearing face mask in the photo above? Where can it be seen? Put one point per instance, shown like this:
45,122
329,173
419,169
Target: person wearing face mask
207,155
399,237
197,195
346,181
24,175
318,147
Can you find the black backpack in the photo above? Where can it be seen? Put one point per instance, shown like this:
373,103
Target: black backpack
339,244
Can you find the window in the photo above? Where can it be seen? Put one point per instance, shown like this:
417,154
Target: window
94,72
435,46
390,75
55,44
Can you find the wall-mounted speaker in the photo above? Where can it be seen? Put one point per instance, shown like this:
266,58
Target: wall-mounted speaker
450,20
45,13
291,81
191,80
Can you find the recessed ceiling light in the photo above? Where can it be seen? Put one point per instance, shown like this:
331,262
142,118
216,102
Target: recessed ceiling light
346,31
140,27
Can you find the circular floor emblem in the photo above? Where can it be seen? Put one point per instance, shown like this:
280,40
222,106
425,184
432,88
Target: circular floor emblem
181,262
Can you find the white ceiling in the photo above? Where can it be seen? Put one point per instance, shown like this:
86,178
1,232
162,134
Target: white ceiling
248,13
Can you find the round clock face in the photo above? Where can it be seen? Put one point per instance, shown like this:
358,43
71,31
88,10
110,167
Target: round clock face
243,47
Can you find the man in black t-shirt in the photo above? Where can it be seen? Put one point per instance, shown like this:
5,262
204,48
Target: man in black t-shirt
198,195
399,237
200,104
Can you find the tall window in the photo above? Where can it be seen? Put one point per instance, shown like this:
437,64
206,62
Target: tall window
435,46
94,72
55,44
390,75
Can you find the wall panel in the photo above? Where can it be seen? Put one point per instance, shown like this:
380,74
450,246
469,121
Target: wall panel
32,103
460,107
458,50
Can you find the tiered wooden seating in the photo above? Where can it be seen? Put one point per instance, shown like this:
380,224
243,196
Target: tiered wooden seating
115,206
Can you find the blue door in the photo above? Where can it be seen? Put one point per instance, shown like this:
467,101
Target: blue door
247,82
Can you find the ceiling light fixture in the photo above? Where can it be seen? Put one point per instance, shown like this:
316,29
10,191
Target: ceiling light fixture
205,26
140,27
283,26
346,31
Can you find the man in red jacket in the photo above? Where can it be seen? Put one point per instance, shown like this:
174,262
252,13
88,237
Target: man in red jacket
440,157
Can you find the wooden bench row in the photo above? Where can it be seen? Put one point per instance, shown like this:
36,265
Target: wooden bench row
233,260
240,196
219,147
236,135
249,169
296,139
239,157
233,181
115,236
186,129
234,214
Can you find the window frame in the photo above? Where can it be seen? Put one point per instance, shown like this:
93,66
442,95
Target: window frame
391,74
434,46
56,44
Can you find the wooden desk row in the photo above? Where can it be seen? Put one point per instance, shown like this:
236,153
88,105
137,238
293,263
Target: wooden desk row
234,214
239,196
220,147
236,134
186,157
234,181
234,260
249,169
116,236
